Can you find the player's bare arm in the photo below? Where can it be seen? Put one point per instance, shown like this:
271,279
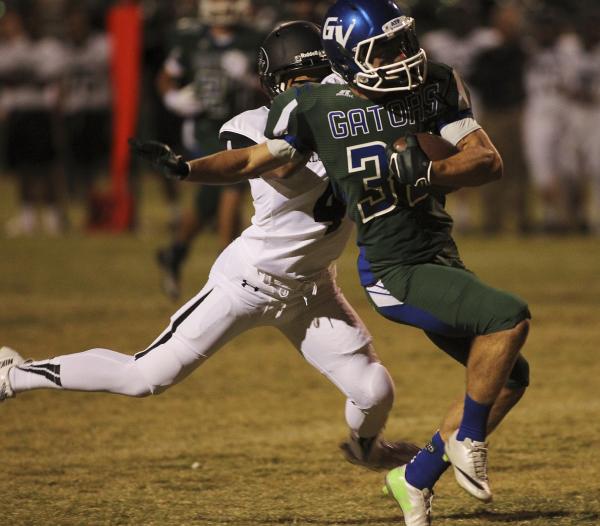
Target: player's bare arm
477,163
273,158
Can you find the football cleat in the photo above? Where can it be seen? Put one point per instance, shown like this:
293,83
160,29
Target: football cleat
9,358
377,454
415,503
469,461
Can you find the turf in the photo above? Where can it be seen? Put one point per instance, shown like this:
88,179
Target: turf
251,438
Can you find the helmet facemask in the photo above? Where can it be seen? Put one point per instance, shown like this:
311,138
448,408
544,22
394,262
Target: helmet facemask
391,61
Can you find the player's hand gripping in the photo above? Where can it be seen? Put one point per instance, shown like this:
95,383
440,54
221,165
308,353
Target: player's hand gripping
161,157
410,165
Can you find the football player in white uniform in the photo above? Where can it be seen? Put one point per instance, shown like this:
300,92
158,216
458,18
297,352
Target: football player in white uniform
582,137
545,114
277,273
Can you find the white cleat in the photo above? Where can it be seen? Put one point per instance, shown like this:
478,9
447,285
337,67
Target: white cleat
469,461
9,358
415,503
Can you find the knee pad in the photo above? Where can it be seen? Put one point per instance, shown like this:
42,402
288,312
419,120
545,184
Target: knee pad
519,376
370,403
380,388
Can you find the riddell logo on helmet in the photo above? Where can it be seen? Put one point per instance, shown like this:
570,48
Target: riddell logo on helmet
333,30
310,54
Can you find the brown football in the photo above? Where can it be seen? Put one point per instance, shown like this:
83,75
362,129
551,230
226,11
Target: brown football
434,146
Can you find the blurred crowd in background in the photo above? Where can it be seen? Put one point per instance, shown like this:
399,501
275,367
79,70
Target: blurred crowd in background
533,67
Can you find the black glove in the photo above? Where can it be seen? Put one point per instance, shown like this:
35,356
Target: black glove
161,157
411,165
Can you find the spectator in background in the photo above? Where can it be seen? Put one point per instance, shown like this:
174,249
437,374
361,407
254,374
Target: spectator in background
457,43
546,114
30,69
266,13
582,139
308,10
85,102
207,79
497,74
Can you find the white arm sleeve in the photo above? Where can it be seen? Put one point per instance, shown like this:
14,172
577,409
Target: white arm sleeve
457,130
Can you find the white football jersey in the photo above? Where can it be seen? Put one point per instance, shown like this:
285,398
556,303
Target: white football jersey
38,66
545,72
86,76
582,74
296,230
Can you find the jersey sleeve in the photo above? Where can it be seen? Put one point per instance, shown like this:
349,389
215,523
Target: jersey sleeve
457,121
232,141
286,121
245,129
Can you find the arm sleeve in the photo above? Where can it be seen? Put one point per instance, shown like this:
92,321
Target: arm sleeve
457,121
232,141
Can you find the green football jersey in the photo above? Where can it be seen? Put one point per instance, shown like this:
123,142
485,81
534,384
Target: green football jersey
396,224
222,73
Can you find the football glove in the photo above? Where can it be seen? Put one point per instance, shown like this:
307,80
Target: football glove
161,157
410,166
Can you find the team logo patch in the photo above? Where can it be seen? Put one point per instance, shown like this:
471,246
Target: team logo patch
334,30
344,93
263,61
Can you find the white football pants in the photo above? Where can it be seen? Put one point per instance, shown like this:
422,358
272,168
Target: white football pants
544,126
313,315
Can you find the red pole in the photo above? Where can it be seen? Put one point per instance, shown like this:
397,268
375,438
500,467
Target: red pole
125,28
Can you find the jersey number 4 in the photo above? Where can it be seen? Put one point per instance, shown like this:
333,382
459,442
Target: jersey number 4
378,187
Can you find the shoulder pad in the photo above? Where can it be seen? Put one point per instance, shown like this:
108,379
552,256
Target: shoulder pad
438,71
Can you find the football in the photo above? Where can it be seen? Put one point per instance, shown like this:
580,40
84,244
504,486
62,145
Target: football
434,146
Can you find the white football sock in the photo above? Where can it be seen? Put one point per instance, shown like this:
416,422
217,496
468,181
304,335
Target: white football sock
93,370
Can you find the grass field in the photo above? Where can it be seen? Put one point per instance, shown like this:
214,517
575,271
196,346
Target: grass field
261,425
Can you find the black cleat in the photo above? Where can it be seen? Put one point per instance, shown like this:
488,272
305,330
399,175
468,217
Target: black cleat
170,266
378,454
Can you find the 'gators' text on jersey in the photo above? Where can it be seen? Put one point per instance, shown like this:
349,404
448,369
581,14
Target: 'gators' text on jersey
396,224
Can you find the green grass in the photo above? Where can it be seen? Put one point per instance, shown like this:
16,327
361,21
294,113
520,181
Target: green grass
260,423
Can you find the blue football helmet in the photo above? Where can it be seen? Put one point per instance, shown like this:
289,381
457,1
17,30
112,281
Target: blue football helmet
373,45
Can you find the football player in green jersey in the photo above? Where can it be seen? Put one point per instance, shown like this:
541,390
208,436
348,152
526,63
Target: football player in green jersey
208,77
408,264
